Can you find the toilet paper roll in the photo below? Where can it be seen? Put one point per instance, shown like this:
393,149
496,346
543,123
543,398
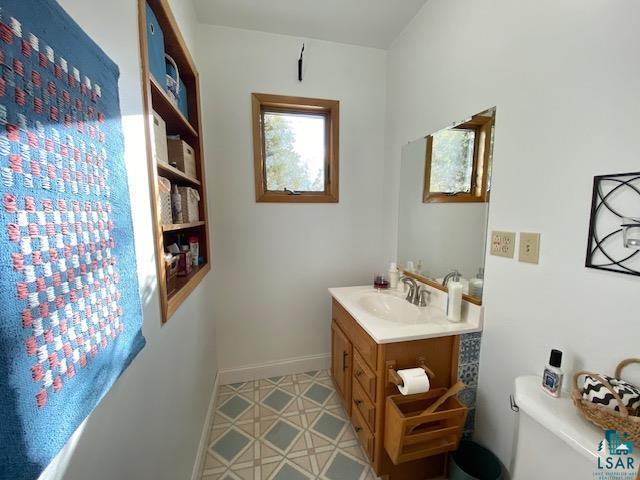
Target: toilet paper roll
415,381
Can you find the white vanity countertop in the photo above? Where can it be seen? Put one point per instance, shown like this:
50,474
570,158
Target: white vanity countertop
427,322
559,416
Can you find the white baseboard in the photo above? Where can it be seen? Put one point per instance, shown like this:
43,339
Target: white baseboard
204,436
287,366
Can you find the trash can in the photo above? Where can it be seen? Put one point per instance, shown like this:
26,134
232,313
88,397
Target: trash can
474,462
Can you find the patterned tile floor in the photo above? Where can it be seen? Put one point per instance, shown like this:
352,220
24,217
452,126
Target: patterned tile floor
283,428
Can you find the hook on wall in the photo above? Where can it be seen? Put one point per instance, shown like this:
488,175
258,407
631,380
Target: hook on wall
300,64
513,404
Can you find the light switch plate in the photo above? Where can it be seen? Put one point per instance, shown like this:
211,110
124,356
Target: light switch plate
503,244
529,247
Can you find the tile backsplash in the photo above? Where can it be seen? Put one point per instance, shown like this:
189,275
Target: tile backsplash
468,365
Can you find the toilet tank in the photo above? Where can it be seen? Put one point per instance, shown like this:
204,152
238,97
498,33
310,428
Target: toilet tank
552,441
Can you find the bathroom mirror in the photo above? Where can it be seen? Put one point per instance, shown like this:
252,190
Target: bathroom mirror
445,187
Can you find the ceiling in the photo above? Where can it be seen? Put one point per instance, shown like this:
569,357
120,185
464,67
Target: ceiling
369,23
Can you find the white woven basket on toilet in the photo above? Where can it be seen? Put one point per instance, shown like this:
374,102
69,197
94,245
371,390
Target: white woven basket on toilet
623,419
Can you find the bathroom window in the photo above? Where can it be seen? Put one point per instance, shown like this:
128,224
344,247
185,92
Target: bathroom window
295,142
458,163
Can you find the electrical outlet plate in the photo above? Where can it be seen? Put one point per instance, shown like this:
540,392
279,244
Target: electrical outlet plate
503,244
529,247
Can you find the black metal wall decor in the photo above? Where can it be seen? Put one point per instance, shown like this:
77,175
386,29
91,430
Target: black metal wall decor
614,229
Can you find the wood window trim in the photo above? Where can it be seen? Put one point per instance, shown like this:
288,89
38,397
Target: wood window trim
481,164
331,108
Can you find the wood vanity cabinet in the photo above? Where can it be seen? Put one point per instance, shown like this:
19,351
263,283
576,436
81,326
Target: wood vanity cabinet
359,369
341,362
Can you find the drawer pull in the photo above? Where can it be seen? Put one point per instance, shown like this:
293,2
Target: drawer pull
358,429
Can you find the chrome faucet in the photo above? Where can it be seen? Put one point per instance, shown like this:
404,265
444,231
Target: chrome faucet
419,296
413,288
424,297
455,275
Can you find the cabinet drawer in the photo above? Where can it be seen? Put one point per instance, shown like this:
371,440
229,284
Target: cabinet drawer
364,405
365,376
367,348
341,364
364,434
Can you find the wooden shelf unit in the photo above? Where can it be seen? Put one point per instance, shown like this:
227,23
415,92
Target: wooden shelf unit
175,175
181,226
184,287
176,121
155,98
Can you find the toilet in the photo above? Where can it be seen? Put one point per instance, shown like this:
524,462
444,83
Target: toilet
551,439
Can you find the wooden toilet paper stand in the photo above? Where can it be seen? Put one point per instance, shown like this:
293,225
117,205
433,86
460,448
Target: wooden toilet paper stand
394,378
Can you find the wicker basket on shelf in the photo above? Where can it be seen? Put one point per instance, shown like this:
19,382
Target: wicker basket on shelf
164,200
622,421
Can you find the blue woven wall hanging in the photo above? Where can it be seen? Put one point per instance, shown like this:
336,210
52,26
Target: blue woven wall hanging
70,318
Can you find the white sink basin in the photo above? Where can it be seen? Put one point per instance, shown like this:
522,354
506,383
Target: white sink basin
387,317
387,307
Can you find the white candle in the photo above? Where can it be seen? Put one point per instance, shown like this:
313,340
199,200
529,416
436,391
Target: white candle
454,304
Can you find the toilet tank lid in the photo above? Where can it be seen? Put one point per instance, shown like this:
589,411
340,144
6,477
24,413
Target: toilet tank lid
558,415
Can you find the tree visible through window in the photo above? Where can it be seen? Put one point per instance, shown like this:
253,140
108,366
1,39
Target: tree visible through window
452,161
295,152
295,143
458,162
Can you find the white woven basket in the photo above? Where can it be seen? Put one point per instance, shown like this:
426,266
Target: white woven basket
190,200
164,201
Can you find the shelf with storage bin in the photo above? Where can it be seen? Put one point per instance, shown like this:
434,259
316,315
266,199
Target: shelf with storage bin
175,119
177,176
159,35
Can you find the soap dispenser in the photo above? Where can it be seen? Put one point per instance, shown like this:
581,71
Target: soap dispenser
454,300
476,285
394,275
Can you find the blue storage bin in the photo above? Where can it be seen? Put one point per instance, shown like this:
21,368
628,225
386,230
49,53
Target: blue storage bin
155,45
182,96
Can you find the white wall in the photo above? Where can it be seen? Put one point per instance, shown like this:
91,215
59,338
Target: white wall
564,77
276,261
445,236
150,423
